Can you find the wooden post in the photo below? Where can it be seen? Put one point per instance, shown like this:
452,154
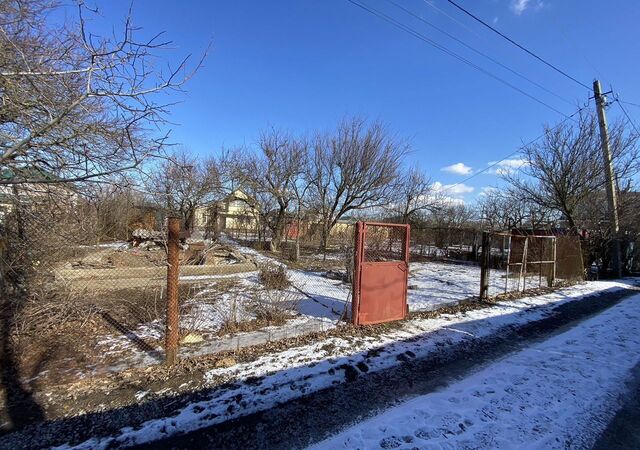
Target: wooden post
173,268
484,265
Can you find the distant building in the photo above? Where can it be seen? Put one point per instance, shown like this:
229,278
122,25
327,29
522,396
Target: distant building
233,212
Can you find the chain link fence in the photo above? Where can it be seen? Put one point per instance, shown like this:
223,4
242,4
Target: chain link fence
85,285
519,262
442,243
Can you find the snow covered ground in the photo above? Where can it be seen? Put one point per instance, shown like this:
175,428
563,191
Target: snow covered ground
299,371
319,302
560,393
433,285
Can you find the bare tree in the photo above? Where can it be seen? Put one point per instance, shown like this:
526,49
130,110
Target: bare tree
76,105
112,209
449,222
183,183
353,168
564,169
503,210
270,177
301,192
452,215
414,194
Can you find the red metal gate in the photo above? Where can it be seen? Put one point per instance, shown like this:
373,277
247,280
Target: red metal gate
381,269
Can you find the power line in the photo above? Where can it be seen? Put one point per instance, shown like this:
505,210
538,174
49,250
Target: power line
560,71
624,110
633,124
461,42
444,13
443,49
629,103
575,45
504,158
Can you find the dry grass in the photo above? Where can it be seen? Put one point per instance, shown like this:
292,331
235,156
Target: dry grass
274,276
272,306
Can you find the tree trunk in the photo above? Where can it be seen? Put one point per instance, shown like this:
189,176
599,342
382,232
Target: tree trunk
278,231
297,251
324,239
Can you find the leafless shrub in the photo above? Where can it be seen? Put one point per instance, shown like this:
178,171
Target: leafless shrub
43,312
272,306
231,318
274,276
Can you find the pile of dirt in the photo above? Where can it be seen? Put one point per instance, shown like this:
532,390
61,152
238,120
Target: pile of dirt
151,253
215,253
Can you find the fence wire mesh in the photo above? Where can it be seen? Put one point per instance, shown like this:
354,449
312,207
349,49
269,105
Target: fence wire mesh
384,243
445,242
91,279
518,262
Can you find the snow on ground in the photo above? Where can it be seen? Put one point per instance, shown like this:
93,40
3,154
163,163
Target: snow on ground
117,245
319,301
434,284
560,393
320,297
299,371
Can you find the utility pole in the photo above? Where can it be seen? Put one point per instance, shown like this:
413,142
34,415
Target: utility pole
612,191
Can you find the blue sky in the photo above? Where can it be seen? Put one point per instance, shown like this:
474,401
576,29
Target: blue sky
303,65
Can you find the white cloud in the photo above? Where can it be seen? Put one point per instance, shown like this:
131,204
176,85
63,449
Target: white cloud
506,166
452,190
486,190
520,6
458,169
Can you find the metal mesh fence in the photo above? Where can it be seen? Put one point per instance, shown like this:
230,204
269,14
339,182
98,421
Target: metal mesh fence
68,266
445,243
520,262
92,279
102,276
384,243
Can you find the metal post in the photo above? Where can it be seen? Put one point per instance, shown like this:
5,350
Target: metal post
553,273
523,266
484,265
357,260
173,268
506,278
541,257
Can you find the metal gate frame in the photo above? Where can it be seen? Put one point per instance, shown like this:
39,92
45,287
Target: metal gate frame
360,263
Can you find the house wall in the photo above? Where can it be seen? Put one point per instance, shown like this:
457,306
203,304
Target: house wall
233,212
